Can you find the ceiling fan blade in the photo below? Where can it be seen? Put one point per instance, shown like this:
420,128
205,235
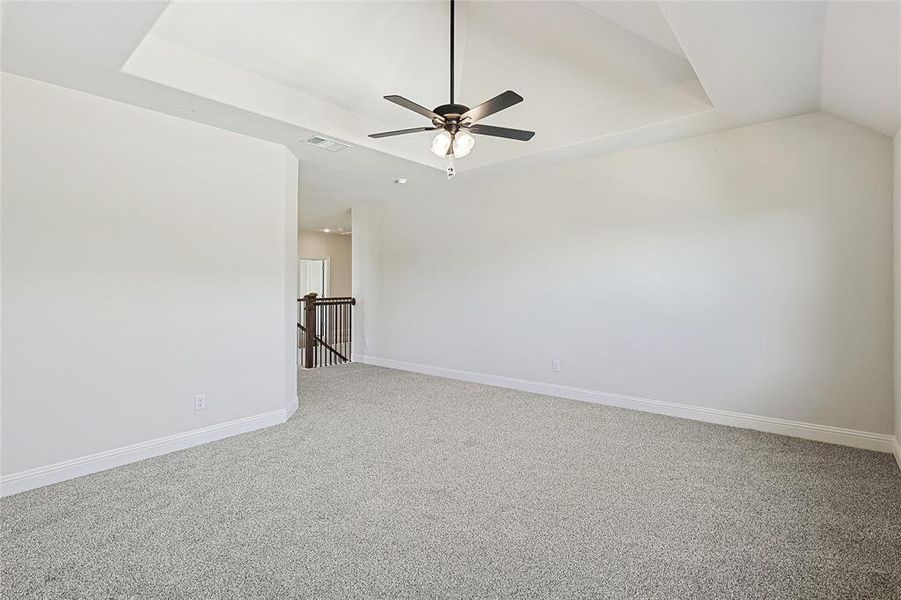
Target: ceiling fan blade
401,132
504,132
410,105
489,107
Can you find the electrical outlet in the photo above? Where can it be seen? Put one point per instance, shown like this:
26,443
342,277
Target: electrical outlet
199,401
555,366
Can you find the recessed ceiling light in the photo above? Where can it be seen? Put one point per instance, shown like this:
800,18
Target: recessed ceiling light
326,230
400,181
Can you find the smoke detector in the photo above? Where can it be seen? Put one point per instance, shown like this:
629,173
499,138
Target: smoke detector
327,144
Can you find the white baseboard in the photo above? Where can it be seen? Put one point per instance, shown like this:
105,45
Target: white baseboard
897,449
292,407
85,465
809,431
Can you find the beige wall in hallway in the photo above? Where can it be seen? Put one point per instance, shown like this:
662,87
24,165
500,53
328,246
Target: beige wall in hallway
336,248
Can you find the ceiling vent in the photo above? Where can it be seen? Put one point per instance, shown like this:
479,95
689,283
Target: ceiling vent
327,144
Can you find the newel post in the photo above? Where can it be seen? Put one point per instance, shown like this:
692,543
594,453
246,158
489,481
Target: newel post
309,323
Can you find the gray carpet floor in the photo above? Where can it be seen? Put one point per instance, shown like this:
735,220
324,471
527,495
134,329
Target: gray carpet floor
388,484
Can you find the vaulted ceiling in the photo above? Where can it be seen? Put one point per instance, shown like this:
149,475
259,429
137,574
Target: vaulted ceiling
597,76
326,66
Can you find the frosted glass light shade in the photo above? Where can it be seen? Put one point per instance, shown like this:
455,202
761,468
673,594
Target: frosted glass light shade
441,143
463,143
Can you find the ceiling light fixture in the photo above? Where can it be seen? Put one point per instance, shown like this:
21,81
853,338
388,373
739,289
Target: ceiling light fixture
457,121
400,181
442,143
463,143
326,231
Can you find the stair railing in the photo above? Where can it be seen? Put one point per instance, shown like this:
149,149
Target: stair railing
325,329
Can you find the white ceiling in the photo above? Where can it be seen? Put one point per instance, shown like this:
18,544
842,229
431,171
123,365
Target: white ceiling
861,49
597,76
755,59
326,66
642,18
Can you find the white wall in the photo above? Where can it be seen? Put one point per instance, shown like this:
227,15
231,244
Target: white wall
337,249
897,207
897,240
748,270
145,259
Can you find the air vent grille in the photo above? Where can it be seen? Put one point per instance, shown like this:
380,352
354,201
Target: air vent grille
326,144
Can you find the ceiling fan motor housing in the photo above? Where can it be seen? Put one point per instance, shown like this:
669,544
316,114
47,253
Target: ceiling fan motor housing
451,115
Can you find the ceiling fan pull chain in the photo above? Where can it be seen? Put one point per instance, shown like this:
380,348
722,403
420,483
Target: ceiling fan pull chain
451,170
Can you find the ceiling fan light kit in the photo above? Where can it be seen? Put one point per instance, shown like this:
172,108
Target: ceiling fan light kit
457,122
463,143
442,143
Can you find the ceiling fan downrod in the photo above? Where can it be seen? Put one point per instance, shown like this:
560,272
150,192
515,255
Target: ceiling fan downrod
456,121
451,51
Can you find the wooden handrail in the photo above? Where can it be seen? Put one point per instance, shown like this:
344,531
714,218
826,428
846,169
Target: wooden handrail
333,300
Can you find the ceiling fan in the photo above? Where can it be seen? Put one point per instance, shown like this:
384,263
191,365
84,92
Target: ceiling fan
457,121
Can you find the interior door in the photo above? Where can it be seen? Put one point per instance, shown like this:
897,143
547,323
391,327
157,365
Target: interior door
311,277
